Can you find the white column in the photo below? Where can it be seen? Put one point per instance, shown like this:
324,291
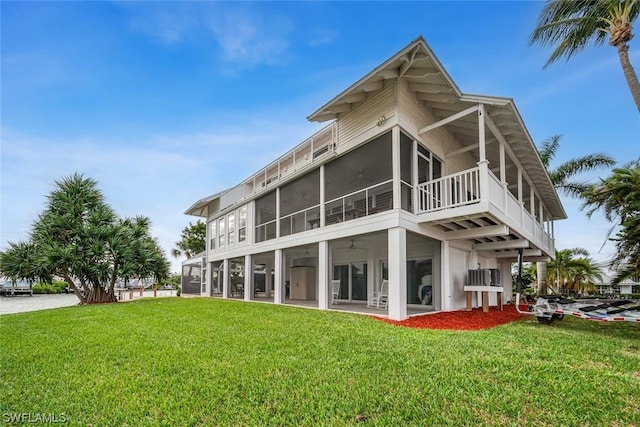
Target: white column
278,278
505,281
225,279
322,196
395,164
414,177
278,212
268,281
208,279
445,274
248,277
503,177
397,248
324,266
483,163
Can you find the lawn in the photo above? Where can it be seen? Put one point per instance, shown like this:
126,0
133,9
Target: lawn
174,361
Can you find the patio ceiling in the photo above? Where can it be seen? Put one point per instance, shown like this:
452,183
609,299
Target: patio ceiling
432,85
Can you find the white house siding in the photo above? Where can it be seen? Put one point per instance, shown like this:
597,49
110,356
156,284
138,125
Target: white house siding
359,124
413,116
458,266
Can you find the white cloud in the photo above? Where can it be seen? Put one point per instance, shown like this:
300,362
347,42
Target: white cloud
247,35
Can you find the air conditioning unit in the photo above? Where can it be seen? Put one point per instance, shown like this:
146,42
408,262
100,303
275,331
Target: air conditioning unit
484,277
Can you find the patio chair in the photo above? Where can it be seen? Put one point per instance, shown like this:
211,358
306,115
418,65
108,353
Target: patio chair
380,299
335,291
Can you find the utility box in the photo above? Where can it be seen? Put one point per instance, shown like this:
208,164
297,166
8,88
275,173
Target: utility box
303,283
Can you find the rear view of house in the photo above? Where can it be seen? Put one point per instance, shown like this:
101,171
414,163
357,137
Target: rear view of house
393,207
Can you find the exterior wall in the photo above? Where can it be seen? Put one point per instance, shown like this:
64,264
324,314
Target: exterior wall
413,116
458,267
360,124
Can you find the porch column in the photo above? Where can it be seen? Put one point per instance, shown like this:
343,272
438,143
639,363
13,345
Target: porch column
414,176
323,275
225,279
445,268
277,278
395,165
322,196
397,248
248,277
207,279
268,280
520,199
503,177
483,163
278,212
506,281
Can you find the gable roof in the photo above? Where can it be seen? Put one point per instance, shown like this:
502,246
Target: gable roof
431,84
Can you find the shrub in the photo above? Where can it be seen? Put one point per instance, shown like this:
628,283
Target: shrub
55,287
43,288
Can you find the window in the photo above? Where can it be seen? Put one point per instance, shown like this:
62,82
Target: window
242,224
212,235
221,233
231,224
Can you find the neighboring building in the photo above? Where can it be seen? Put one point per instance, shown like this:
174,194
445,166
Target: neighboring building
626,287
412,182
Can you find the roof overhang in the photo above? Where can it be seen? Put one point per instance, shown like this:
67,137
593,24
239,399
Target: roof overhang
200,208
434,87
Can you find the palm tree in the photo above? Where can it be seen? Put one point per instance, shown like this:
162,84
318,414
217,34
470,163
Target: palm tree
560,270
563,179
584,273
619,197
79,238
570,25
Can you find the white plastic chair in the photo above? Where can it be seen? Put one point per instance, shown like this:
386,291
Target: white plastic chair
335,291
380,299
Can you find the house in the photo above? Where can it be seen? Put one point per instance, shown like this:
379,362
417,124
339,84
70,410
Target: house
412,184
626,287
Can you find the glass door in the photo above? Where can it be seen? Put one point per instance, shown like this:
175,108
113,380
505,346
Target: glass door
353,281
419,280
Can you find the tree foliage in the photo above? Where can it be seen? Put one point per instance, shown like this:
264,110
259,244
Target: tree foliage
193,240
618,196
563,178
571,25
79,238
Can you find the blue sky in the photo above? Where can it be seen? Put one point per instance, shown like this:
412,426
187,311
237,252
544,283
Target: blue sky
164,103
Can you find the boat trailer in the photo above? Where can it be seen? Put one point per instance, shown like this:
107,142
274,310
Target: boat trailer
554,307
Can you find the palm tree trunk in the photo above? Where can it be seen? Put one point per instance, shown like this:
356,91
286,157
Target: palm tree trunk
629,73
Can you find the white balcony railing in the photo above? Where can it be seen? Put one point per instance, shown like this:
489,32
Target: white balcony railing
451,191
465,188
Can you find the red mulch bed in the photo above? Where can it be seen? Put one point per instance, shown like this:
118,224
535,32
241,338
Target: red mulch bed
463,320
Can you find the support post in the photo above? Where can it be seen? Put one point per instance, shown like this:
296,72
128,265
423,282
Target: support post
395,166
278,278
397,248
323,275
226,291
248,277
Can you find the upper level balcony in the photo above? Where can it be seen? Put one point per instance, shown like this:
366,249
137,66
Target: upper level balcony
475,203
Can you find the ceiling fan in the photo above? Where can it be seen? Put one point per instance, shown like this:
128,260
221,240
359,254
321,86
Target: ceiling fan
351,247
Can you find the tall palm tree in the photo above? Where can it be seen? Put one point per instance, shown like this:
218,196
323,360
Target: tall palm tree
571,25
563,178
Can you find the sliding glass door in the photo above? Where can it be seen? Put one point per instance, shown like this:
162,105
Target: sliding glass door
353,281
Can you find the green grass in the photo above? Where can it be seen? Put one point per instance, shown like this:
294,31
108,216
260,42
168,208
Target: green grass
175,361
